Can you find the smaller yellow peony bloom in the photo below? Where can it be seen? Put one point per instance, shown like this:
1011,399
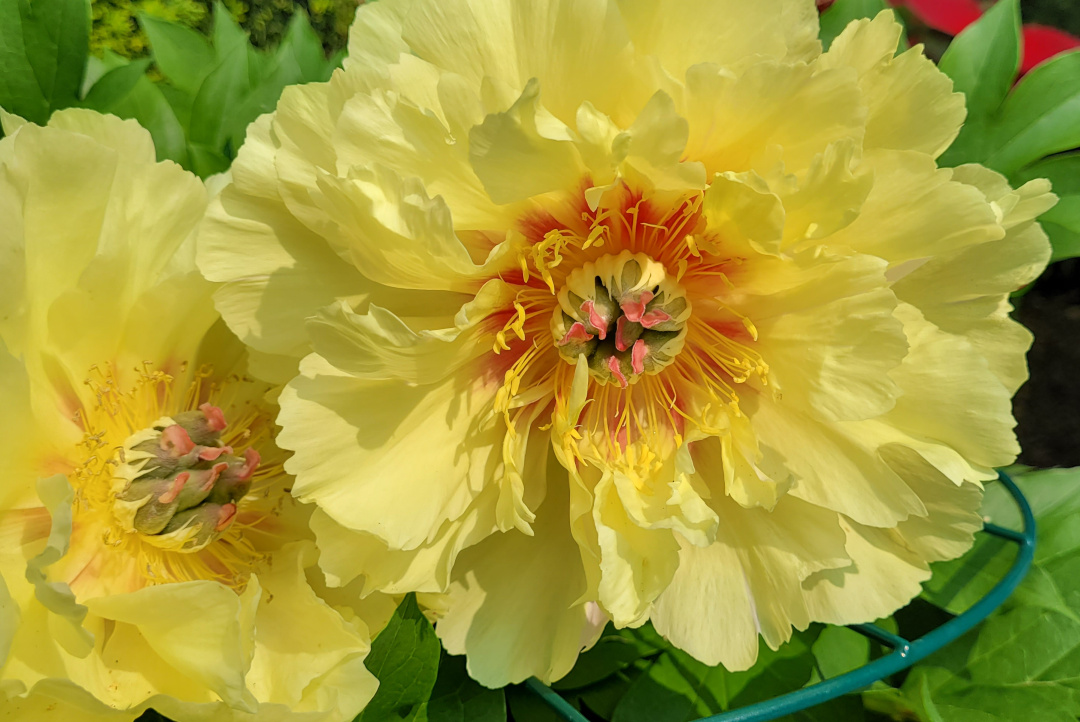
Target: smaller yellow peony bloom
152,555
630,309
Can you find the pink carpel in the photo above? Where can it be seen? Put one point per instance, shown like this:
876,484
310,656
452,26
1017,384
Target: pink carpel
620,333
209,453
225,516
634,310
637,356
212,476
176,441
576,333
654,317
215,417
613,366
598,322
251,462
177,486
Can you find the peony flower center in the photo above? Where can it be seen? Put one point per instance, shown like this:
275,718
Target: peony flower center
624,313
181,483
170,483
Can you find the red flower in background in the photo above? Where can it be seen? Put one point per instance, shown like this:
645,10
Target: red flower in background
1041,42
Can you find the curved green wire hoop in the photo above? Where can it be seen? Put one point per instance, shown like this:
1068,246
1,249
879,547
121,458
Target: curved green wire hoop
904,652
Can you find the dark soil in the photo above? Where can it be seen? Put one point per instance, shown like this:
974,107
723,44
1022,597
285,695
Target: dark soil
1048,405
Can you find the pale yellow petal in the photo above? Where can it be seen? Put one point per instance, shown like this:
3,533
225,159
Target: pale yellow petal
636,564
656,148
749,581
431,446
833,467
915,211
965,292
194,626
514,605
578,49
524,151
380,345
725,32
831,341
912,105
884,575
300,641
772,112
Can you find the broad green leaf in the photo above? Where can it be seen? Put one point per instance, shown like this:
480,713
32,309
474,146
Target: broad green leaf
842,12
525,706
44,47
115,85
1062,222
205,161
1040,117
839,650
146,104
227,34
1024,662
302,48
984,59
405,658
183,55
97,67
457,698
226,87
678,688
1054,495
614,651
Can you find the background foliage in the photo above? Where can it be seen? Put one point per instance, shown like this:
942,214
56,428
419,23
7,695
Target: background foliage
195,74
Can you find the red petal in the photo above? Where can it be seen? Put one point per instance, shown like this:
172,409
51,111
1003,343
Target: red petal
1042,42
948,16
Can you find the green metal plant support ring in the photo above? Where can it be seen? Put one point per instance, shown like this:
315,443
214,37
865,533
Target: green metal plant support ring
904,652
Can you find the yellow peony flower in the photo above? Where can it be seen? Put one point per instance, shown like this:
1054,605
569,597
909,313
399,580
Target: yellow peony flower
630,309
152,554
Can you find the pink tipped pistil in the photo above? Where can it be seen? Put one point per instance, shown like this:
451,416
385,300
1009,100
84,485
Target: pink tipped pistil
215,417
174,491
637,356
613,366
176,441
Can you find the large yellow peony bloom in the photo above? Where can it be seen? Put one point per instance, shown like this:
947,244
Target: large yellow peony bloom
630,309
151,554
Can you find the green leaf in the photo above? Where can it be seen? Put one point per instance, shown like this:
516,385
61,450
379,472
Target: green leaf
405,658
839,650
678,688
146,104
205,161
44,47
1062,222
525,706
842,12
457,698
1040,117
302,51
614,651
983,61
225,89
1024,662
115,85
183,55
227,34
